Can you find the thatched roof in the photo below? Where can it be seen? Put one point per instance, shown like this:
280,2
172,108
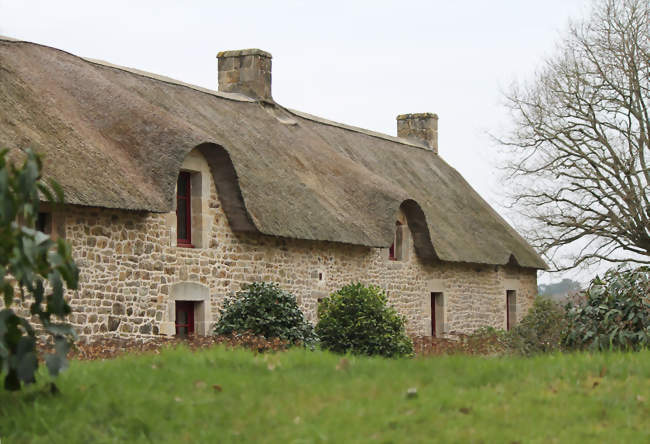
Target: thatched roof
116,138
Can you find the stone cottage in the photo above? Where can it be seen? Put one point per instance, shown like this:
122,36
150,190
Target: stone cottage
177,195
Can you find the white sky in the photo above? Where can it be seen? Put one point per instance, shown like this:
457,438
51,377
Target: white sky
357,62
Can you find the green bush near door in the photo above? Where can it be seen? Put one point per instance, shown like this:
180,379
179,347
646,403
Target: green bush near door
356,319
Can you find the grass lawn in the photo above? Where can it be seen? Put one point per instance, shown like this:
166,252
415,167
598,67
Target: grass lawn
223,396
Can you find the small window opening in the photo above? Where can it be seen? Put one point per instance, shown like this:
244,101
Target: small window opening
395,248
511,309
320,275
437,315
184,318
184,211
44,222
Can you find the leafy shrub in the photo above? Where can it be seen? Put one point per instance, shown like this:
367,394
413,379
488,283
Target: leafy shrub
356,319
265,309
38,267
540,331
616,313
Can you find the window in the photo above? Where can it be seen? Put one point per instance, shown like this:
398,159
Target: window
184,318
437,315
44,222
395,250
184,211
511,309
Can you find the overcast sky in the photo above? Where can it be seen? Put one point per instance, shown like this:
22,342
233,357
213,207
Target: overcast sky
357,62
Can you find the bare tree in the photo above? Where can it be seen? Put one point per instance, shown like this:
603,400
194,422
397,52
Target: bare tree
580,134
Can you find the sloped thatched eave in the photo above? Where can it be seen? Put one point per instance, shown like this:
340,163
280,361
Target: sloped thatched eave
116,138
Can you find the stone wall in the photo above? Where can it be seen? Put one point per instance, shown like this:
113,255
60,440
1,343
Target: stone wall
131,271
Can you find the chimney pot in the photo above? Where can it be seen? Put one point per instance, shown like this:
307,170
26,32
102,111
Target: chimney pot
246,71
421,128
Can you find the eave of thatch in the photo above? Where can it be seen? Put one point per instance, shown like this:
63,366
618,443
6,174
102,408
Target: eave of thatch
116,138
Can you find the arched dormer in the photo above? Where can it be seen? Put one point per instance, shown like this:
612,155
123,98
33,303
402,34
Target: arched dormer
418,230
399,249
411,225
189,223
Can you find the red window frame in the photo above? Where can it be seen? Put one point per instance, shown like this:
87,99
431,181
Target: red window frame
186,196
391,250
433,315
186,307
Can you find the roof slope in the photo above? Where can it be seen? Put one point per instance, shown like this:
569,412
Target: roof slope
116,138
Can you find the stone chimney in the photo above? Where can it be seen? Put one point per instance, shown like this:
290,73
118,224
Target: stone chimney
246,71
421,128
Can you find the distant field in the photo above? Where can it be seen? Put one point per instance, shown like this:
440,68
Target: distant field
222,396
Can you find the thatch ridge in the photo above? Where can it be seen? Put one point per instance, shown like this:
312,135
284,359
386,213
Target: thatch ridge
116,138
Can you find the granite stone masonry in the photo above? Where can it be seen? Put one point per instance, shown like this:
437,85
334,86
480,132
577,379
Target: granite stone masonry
130,269
178,195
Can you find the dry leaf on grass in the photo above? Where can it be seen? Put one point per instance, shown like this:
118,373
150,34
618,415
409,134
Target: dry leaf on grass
343,364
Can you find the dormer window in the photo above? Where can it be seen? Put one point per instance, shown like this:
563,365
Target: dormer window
395,252
184,210
44,222
190,226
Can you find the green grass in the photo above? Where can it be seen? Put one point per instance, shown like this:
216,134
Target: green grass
302,397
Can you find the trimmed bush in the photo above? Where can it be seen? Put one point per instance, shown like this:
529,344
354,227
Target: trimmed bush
265,309
540,331
356,319
616,314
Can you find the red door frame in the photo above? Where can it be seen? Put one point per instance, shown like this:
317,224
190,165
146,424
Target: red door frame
433,314
188,308
509,294
185,195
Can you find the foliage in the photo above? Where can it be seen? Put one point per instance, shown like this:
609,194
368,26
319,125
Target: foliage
540,331
265,309
38,267
616,313
356,319
581,166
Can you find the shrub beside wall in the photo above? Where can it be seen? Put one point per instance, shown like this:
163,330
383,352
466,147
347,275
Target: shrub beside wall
357,319
616,313
540,331
267,310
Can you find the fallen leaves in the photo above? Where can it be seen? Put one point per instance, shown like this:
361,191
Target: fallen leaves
593,381
474,344
343,364
108,348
